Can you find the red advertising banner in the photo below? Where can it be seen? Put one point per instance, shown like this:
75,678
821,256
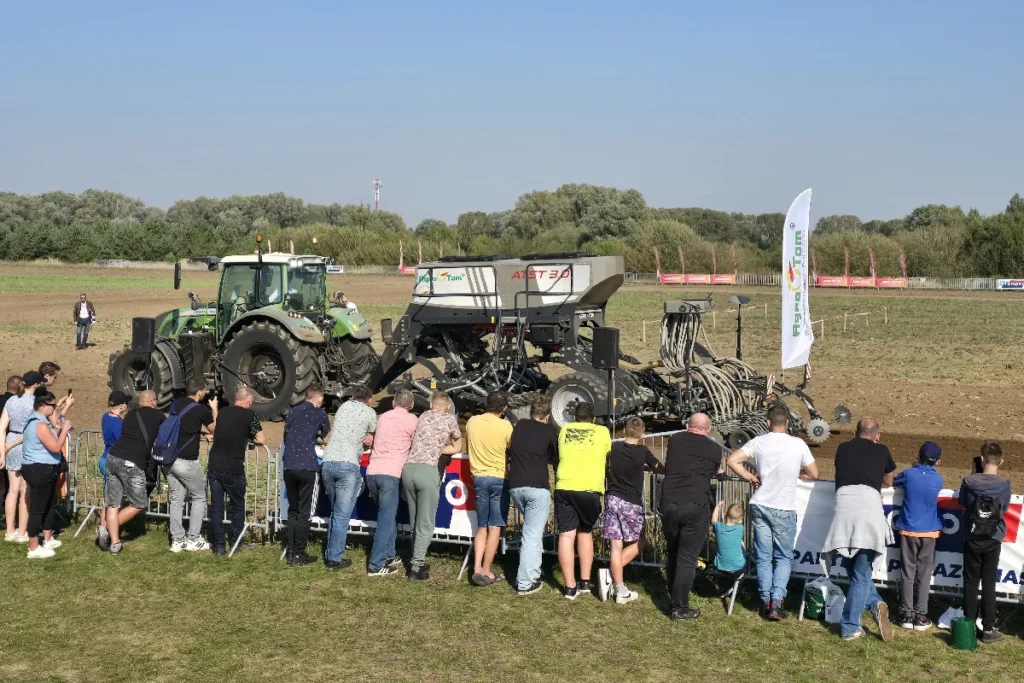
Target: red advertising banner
698,279
862,281
723,279
407,270
670,278
891,282
831,281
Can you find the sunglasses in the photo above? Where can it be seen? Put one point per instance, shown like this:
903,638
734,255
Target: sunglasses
52,405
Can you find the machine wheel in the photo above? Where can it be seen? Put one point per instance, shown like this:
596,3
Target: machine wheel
817,430
571,389
127,373
360,360
273,364
739,439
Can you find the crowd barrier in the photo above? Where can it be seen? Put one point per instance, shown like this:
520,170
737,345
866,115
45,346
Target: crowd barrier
86,486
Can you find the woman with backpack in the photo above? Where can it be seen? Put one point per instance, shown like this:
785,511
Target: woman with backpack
42,450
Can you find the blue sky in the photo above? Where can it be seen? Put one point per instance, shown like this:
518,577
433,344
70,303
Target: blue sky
879,106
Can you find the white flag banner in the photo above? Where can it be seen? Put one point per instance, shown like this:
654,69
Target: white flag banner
797,335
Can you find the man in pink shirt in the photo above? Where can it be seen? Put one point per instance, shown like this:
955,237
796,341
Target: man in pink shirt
391,444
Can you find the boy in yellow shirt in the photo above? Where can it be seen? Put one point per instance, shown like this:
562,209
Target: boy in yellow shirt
489,436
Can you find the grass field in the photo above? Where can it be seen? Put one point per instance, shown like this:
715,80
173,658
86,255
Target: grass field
148,615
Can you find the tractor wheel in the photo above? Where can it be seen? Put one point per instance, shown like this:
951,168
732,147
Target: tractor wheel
127,373
273,364
360,360
569,390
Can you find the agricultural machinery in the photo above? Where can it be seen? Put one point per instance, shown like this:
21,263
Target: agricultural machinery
482,324
272,329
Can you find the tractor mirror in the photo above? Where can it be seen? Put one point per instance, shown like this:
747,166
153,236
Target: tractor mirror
177,275
740,299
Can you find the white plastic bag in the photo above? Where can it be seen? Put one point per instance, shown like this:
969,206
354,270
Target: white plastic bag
833,596
946,620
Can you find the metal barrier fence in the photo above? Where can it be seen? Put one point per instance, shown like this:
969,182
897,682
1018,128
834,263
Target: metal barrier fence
86,486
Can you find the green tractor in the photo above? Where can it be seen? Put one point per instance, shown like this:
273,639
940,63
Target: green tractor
272,329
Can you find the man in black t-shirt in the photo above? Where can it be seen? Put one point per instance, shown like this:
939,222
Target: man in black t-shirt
532,448
185,475
692,459
126,466
624,512
864,461
237,425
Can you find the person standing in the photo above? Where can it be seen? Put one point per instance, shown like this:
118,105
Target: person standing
781,459
352,434
126,467
185,476
304,425
437,434
236,427
579,483
533,448
84,316
691,459
15,416
488,437
985,498
919,525
110,427
41,454
860,531
391,444
14,385
624,516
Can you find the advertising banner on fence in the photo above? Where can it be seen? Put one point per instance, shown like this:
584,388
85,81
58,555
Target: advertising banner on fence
723,279
797,336
1010,284
831,281
815,503
856,281
698,279
890,282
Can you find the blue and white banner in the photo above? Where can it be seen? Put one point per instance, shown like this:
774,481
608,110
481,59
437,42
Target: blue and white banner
1010,284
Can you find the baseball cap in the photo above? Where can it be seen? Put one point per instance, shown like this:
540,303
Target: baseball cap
930,452
31,378
116,398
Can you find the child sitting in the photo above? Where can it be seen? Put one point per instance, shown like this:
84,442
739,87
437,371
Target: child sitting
730,557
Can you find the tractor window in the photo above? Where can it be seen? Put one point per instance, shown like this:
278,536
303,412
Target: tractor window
307,288
238,291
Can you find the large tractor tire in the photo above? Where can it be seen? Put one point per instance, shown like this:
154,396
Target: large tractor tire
127,372
569,390
360,360
273,364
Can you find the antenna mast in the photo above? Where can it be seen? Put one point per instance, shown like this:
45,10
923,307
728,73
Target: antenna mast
376,194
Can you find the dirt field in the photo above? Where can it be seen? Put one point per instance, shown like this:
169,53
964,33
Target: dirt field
945,367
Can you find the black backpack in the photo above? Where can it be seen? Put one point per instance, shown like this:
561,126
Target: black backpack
985,517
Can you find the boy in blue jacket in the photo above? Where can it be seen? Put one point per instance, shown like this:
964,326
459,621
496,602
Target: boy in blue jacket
919,525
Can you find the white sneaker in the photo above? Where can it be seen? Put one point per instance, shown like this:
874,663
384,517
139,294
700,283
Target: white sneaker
21,539
177,546
197,544
628,596
604,583
11,538
41,552
52,544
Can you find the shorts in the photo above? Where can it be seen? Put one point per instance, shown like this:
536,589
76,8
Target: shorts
623,521
491,501
125,480
576,510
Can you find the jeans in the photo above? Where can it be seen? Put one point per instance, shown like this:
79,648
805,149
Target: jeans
862,593
40,480
918,560
686,528
299,484
384,490
82,334
421,486
342,481
491,501
232,485
981,561
774,536
186,477
534,504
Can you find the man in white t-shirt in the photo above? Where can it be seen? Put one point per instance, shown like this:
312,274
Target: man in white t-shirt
780,459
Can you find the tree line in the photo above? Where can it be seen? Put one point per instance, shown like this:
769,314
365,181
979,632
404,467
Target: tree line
938,240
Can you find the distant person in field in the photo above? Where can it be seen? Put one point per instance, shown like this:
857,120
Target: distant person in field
533,448
624,516
126,468
860,532
488,437
781,460
583,449
15,416
985,498
84,316
305,425
919,524
690,462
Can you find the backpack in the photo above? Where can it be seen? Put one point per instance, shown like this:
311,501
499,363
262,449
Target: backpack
985,517
166,448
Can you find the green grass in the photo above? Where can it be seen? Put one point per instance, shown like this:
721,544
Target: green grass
148,615
84,283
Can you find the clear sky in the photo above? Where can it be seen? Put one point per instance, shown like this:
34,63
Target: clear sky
880,106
